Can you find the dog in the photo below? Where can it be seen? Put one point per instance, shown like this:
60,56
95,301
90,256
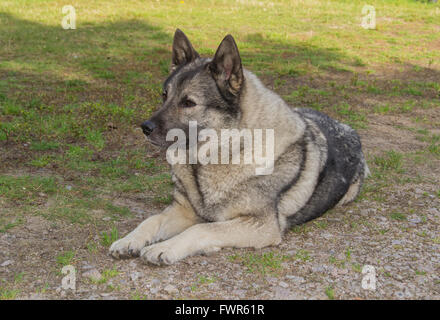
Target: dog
318,162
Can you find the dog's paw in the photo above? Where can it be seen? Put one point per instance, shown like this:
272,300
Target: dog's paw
159,254
127,247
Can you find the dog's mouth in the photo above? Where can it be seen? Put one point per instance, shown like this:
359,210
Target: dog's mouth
156,143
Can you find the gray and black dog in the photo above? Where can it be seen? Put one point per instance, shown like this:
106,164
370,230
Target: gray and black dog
318,162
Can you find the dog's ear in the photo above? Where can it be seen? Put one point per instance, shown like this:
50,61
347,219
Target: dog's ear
183,51
226,67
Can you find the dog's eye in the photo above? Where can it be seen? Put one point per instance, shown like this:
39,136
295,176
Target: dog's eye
164,95
188,103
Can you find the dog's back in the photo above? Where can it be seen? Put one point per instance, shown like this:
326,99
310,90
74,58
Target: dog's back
341,177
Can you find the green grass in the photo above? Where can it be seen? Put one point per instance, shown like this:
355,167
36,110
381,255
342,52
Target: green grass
108,238
399,216
18,277
352,117
302,255
138,296
330,293
26,189
107,274
8,294
44,145
386,169
337,262
206,280
390,161
70,100
6,225
66,258
265,263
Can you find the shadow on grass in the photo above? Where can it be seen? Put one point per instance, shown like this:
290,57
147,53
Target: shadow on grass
121,65
93,62
60,65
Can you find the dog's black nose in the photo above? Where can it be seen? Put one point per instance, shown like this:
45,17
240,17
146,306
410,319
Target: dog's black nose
148,127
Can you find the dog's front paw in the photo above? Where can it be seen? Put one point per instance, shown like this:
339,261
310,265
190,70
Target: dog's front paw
160,253
127,247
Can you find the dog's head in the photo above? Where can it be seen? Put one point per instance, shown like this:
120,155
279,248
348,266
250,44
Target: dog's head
198,89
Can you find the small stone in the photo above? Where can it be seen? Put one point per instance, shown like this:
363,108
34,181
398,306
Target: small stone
6,263
105,294
69,188
317,269
203,263
134,276
271,280
154,290
296,279
170,289
283,284
92,274
87,266
155,282
415,219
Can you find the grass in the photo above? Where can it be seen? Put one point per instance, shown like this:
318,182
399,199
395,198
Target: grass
330,293
108,238
26,189
70,100
8,294
399,216
107,274
5,225
387,169
354,118
264,263
138,296
66,258
302,255
390,161
206,280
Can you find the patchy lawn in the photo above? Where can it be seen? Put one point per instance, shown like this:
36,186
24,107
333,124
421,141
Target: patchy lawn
76,173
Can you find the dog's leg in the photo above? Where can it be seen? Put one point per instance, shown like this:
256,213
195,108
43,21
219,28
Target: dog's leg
209,237
170,222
